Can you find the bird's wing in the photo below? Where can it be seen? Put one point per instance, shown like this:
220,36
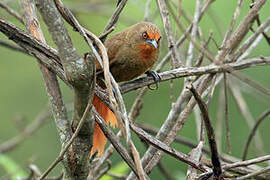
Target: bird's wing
113,46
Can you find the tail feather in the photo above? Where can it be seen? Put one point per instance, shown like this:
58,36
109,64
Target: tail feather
99,139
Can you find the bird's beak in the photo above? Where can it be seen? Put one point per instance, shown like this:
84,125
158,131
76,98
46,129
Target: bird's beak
153,42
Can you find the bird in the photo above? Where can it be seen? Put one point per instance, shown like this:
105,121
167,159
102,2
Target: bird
132,52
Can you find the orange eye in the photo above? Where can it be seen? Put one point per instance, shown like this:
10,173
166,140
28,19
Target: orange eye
144,35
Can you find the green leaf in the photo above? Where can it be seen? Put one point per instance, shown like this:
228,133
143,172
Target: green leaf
11,167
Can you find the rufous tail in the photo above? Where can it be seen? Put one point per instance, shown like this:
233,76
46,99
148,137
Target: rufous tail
99,139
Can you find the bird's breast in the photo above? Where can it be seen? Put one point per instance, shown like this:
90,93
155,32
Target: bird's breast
146,52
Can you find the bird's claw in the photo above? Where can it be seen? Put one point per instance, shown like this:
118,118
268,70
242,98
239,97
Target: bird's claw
156,78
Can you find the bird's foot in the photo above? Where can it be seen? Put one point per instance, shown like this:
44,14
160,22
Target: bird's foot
156,78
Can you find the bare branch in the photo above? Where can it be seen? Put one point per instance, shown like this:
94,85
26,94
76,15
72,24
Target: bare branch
193,71
163,147
210,134
11,12
176,61
261,171
253,131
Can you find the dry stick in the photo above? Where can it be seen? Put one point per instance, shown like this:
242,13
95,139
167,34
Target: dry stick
115,142
240,32
115,16
246,113
176,61
195,154
210,133
193,41
53,90
238,36
165,148
201,55
241,52
234,18
247,162
68,16
189,60
261,171
11,12
183,38
253,131
226,111
259,23
224,157
193,33
63,151
103,171
193,71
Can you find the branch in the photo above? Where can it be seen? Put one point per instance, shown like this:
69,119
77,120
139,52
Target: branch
80,73
259,172
247,162
53,90
210,133
115,142
11,12
176,61
253,131
240,32
194,71
68,144
170,151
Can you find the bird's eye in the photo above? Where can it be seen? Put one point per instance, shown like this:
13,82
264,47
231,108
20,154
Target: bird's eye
144,35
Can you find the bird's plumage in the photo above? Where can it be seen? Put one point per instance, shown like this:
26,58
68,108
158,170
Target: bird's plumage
131,53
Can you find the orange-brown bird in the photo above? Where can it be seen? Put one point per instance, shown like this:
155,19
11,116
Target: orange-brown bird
131,53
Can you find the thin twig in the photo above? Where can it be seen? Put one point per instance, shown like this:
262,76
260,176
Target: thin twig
114,18
11,12
210,133
247,162
193,71
253,131
226,111
163,147
176,61
195,154
261,171
115,142
66,147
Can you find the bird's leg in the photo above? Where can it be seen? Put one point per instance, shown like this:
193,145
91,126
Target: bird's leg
156,78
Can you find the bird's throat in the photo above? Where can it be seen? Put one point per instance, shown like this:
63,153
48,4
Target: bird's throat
146,51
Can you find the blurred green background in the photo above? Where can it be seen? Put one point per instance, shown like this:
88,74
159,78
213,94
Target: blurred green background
23,95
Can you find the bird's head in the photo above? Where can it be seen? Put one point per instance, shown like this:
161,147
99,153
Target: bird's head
145,37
